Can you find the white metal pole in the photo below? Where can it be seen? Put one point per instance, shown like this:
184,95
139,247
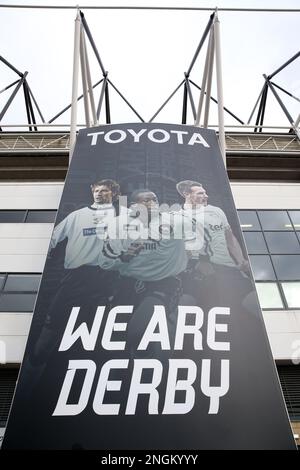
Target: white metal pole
209,80
204,78
219,88
296,127
297,122
75,83
89,81
84,80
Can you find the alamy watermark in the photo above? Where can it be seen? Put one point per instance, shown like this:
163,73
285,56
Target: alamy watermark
151,221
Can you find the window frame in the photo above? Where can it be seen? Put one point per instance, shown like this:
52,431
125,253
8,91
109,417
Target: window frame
270,254
16,292
26,213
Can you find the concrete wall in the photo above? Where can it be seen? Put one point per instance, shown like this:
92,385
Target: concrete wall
23,248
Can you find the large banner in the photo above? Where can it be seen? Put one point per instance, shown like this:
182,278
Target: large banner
147,332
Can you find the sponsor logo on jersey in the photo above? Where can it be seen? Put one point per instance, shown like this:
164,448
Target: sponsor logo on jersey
216,227
87,232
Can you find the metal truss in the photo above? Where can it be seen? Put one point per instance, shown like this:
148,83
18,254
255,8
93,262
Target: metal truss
43,142
29,98
33,142
273,87
212,32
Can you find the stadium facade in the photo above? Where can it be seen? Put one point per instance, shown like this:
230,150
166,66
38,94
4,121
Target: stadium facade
264,170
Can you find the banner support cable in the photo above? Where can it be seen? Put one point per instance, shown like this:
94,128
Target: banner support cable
184,104
167,100
75,83
219,87
12,96
124,99
285,91
9,86
107,105
89,82
11,66
104,84
190,95
27,106
92,42
35,103
297,121
260,108
210,68
204,80
69,105
33,120
255,106
289,117
263,108
216,101
84,79
279,101
284,65
206,31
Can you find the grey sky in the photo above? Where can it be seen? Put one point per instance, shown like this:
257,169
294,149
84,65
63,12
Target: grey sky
146,53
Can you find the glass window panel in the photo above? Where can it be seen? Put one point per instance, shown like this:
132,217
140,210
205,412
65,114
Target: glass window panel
2,279
9,217
269,295
287,267
255,242
41,216
292,293
17,302
22,282
249,220
295,216
275,220
262,268
282,242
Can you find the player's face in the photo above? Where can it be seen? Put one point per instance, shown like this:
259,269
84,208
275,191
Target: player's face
198,196
102,194
149,200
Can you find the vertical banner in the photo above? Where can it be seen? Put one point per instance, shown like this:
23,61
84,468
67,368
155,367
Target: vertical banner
147,332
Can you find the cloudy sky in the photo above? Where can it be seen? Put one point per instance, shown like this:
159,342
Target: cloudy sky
146,54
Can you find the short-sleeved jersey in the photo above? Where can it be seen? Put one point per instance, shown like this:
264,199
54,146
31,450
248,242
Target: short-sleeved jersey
160,257
82,229
210,224
215,225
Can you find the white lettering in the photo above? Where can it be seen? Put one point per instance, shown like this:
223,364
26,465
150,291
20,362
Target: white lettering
183,329
95,137
197,139
212,327
68,409
108,385
112,326
108,139
165,138
137,135
158,320
214,392
179,135
170,407
88,339
138,388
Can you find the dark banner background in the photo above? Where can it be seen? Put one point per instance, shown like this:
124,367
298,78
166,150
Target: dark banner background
252,414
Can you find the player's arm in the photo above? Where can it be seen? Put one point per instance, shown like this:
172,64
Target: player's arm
109,257
116,252
235,250
60,232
